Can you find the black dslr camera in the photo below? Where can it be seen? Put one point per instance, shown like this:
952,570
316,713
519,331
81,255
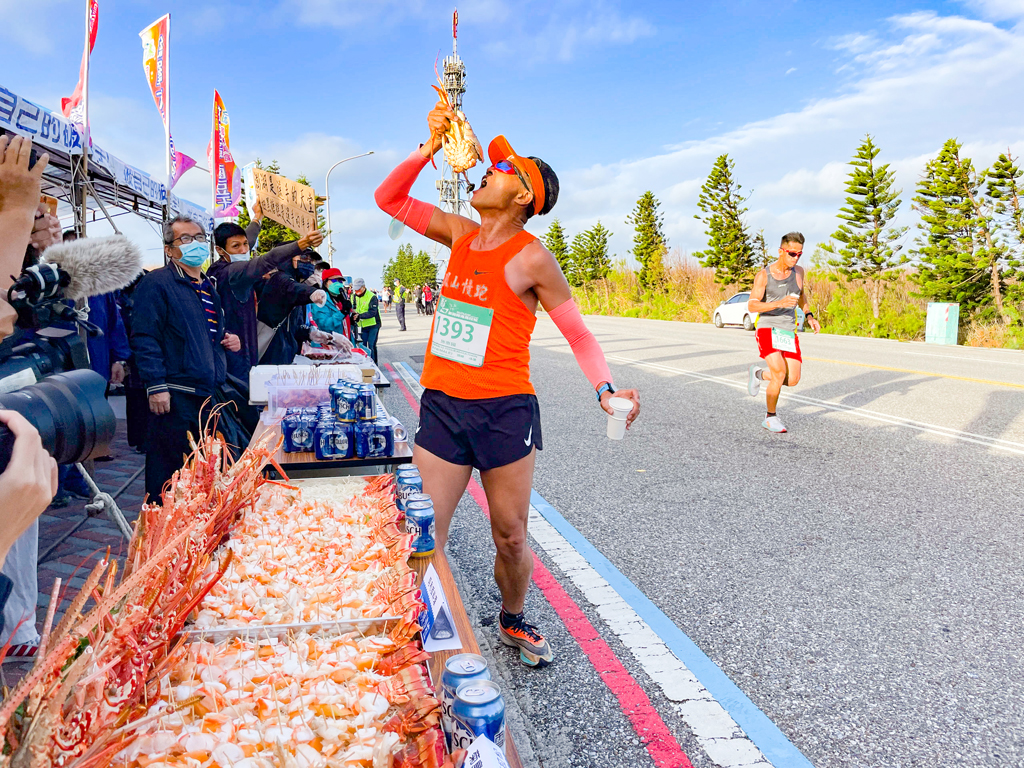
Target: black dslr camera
45,375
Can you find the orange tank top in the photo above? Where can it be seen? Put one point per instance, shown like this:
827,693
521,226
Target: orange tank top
453,364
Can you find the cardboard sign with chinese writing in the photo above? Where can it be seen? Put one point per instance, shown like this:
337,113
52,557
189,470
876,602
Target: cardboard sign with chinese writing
285,201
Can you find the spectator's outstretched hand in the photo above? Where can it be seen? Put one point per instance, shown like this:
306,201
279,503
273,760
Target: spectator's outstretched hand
29,483
311,240
19,185
319,297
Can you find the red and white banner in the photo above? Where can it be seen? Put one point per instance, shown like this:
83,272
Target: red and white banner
74,107
226,175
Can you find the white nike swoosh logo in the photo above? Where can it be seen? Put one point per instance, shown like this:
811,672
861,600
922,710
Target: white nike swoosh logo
529,436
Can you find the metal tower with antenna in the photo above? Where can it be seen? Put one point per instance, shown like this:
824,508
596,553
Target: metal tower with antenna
451,186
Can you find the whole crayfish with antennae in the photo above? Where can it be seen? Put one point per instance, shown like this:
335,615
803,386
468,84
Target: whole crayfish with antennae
462,149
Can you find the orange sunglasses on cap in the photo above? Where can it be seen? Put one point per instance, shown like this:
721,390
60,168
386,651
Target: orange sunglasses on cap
500,150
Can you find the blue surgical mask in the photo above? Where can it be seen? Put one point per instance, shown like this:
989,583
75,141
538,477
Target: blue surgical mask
194,254
240,256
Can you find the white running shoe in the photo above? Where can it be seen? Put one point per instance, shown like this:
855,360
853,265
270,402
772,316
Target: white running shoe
773,424
753,383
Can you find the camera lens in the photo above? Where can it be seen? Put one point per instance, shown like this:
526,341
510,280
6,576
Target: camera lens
71,413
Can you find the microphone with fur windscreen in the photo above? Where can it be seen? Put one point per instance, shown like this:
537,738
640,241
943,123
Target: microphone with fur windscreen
95,265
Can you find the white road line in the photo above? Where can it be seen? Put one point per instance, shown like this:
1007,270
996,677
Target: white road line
717,733
409,376
921,426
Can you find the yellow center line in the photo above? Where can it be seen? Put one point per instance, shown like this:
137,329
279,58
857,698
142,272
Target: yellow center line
919,373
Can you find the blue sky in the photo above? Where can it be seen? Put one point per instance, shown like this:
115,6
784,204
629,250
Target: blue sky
618,97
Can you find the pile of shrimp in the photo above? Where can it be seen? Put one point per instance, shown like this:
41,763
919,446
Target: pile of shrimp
302,700
298,558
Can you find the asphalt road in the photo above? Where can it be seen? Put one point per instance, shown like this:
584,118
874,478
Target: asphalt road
859,578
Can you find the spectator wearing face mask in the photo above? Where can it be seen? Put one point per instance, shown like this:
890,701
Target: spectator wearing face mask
180,340
281,315
236,275
333,316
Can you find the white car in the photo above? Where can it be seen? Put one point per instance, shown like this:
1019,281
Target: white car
734,312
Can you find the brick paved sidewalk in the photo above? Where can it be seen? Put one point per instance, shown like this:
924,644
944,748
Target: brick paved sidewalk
75,557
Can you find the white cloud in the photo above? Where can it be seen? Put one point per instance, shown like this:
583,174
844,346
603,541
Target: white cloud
570,25
998,10
926,79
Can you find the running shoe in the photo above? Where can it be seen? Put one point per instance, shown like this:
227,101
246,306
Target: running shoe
21,652
773,424
534,650
753,382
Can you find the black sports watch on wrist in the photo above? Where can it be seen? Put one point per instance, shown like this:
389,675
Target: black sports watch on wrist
606,387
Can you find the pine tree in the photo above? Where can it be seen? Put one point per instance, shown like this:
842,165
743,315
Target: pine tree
867,248
576,261
648,238
958,255
554,241
1003,192
599,262
762,258
729,252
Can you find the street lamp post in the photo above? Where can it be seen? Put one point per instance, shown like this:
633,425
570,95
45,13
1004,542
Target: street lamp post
327,193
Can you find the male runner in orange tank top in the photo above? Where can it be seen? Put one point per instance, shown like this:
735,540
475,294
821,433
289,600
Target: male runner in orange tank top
479,408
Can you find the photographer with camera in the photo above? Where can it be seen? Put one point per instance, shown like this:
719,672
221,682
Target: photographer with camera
179,338
30,480
26,486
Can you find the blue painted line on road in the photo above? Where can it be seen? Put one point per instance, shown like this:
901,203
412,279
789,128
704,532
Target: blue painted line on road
765,735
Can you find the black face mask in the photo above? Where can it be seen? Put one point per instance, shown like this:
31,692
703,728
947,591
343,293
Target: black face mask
304,270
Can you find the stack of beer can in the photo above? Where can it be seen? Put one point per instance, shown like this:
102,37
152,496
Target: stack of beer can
418,509
471,703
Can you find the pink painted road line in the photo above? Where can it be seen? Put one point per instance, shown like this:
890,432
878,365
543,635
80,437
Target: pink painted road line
661,745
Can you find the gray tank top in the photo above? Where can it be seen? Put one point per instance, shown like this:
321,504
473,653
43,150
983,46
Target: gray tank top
774,291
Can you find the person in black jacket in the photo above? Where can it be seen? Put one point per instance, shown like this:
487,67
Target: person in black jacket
237,275
179,339
282,312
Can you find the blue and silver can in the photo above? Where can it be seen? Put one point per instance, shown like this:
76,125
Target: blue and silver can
288,425
364,432
459,669
403,504
408,482
344,401
366,405
323,440
478,710
383,441
344,440
419,521
302,436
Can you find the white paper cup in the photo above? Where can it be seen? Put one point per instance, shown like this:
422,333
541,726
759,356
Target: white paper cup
617,419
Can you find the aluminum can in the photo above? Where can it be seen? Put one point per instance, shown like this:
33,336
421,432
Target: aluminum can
288,425
366,404
419,521
408,482
364,432
459,669
343,435
323,439
343,400
383,441
403,504
478,710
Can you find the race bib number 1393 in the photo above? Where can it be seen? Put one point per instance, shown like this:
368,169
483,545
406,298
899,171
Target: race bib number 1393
461,331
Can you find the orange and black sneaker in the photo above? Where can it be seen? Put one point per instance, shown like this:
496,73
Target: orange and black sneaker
534,650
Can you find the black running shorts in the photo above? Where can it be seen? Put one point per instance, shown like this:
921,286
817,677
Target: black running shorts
484,434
